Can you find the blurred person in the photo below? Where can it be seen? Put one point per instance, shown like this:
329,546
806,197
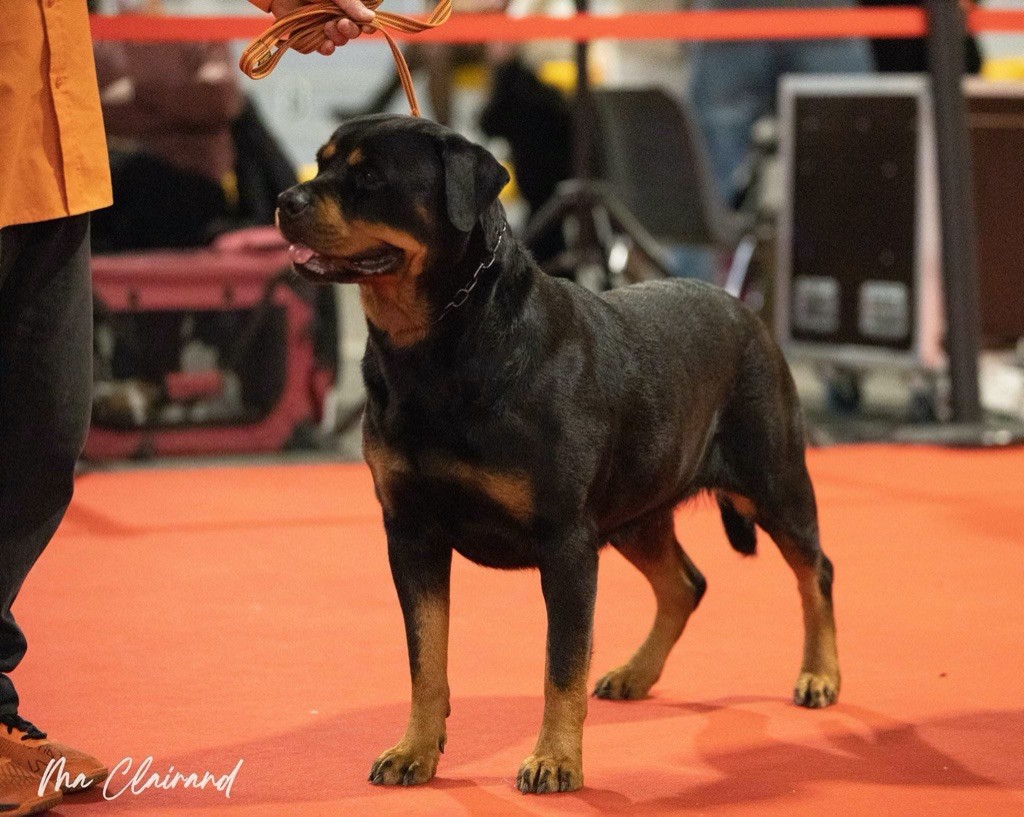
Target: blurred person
536,121
533,117
53,174
168,109
643,63
733,84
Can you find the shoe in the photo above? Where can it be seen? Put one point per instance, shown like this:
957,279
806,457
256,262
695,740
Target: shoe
28,748
19,791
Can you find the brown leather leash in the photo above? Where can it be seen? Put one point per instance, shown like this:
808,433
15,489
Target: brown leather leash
303,30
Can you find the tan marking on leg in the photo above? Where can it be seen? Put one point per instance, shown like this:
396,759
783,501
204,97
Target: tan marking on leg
819,680
414,758
677,597
386,465
743,506
355,157
565,710
430,695
557,760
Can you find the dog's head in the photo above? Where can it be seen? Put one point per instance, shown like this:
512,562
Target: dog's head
395,198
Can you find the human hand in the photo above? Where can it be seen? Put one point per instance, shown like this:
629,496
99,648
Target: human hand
336,32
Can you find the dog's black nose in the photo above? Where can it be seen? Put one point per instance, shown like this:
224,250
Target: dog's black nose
294,201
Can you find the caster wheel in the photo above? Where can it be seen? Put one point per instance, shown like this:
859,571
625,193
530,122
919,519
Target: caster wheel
842,392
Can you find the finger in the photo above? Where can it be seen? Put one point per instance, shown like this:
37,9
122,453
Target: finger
368,29
333,35
327,48
349,29
356,10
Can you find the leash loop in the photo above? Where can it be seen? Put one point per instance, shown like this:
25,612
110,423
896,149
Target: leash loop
302,30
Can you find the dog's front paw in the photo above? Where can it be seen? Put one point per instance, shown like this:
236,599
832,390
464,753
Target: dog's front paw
816,690
541,774
626,683
404,765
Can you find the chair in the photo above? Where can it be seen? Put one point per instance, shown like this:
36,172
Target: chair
655,186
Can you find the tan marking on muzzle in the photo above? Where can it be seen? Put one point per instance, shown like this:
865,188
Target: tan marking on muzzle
395,303
332,233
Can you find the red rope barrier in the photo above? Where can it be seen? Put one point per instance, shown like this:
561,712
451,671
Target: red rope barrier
994,20
768,24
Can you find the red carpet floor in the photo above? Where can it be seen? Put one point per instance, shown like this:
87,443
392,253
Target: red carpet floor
209,616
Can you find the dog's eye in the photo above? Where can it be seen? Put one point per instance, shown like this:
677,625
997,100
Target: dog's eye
367,178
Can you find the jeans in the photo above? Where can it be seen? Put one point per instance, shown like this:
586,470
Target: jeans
733,84
693,262
45,396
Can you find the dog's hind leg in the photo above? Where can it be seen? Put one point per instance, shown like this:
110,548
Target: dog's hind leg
776,490
678,587
793,526
764,472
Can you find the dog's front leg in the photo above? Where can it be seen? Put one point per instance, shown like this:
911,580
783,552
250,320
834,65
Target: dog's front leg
422,577
569,581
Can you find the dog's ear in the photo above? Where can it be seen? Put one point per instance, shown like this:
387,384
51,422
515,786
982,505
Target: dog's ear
473,178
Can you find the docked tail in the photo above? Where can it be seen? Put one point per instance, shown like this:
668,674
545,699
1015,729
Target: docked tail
738,529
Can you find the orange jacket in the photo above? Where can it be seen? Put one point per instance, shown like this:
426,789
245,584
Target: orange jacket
53,154
53,151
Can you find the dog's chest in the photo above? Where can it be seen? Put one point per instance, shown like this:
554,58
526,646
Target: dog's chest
485,510
395,472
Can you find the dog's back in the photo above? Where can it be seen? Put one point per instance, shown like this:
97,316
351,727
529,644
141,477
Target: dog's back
697,385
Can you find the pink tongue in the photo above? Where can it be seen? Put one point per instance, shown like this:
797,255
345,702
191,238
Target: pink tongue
299,253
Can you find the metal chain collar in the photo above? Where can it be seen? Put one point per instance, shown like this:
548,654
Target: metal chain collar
462,295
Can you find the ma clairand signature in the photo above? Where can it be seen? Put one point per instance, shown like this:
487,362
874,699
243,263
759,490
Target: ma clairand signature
122,780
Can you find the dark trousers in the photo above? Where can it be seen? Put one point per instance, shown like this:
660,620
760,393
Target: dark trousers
45,395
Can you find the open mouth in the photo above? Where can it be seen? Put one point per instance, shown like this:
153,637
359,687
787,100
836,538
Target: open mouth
382,260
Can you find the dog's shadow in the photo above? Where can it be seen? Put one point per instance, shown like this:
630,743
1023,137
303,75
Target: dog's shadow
329,759
864,747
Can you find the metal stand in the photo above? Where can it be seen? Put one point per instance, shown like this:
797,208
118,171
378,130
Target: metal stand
946,33
597,217
956,207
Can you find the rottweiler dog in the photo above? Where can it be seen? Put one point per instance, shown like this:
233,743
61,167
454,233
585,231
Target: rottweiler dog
525,422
